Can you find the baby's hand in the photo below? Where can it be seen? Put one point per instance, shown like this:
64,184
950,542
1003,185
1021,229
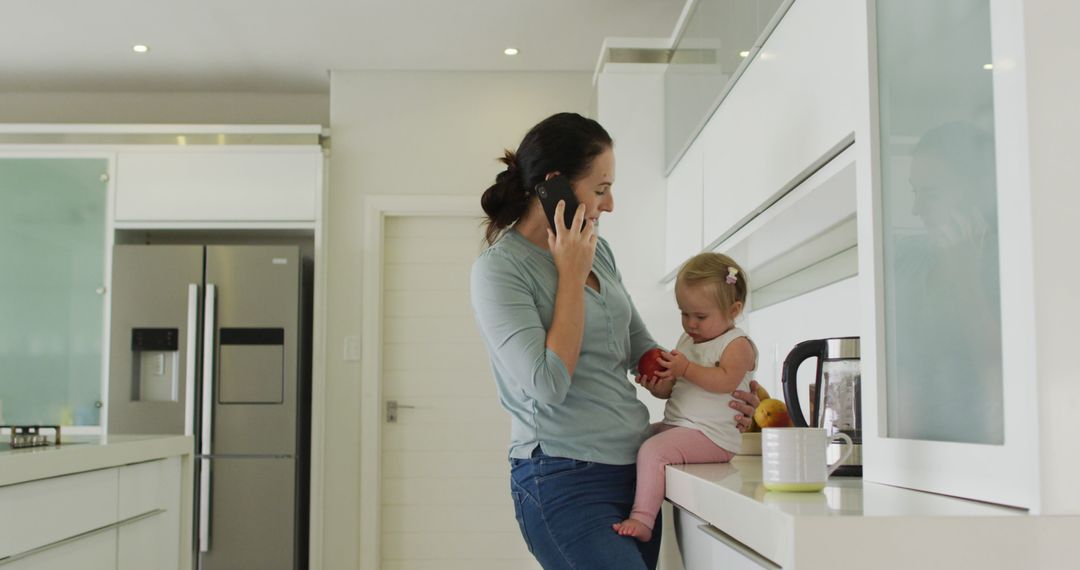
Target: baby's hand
658,387
675,365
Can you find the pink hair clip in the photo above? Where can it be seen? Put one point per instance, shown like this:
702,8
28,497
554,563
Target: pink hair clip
731,276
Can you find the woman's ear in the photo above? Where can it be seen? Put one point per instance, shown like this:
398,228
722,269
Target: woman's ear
551,175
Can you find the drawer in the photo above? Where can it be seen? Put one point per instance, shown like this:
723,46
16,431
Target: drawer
50,510
152,542
703,546
148,486
96,551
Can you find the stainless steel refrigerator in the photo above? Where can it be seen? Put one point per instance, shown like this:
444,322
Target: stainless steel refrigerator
213,341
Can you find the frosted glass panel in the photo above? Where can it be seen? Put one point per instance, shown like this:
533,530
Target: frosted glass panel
939,221
52,244
718,35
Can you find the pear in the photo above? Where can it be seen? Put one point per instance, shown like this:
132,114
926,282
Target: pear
772,413
762,395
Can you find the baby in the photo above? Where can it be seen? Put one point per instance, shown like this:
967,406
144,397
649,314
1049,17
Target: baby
712,359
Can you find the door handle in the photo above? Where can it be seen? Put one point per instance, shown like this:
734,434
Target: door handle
392,410
190,363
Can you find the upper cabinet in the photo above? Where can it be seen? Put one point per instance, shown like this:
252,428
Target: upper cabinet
790,112
221,185
967,366
53,244
716,41
66,189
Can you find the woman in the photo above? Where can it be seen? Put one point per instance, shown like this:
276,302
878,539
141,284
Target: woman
562,334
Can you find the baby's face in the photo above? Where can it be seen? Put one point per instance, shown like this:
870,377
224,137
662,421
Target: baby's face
702,319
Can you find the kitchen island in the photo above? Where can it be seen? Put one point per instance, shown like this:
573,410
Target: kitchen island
97,502
725,518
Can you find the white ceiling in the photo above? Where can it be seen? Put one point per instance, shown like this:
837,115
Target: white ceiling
289,45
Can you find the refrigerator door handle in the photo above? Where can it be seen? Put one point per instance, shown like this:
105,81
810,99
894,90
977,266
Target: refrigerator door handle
191,360
209,326
204,504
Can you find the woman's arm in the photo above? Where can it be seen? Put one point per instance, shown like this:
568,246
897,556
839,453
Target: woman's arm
572,250
738,359
510,324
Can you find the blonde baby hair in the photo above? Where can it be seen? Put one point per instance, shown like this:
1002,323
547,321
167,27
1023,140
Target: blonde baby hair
727,279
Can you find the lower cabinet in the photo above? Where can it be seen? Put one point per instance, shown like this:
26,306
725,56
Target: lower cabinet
94,551
704,547
119,518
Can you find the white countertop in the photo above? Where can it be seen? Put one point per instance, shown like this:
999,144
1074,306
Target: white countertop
865,525
86,453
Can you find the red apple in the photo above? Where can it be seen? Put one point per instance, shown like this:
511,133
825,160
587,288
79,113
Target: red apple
649,365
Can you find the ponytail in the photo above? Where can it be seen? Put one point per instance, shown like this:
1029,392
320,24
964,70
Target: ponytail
506,200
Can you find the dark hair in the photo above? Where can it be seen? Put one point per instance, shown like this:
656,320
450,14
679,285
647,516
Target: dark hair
564,142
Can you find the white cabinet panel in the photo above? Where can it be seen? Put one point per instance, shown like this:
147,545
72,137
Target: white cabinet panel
684,215
92,552
705,548
152,542
218,185
794,105
143,544
55,509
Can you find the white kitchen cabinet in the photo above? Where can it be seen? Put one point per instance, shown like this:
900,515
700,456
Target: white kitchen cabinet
125,517
790,111
93,551
704,547
967,216
684,214
218,185
61,507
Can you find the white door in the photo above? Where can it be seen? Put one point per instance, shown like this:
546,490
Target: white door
445,477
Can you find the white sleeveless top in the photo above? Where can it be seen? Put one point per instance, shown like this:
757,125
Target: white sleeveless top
694,407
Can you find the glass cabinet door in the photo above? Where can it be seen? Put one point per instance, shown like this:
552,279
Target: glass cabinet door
939,221
52,251
941,413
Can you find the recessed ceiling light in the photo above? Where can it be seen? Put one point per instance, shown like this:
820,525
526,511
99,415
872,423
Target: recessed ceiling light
988,66
510,51
140,48
744,53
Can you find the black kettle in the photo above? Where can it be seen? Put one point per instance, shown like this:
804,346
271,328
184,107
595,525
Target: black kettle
837,393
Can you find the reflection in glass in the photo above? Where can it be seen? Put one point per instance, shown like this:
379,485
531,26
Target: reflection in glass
939,221
52,243
718,36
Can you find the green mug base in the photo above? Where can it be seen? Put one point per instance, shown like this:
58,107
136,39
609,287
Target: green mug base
794,487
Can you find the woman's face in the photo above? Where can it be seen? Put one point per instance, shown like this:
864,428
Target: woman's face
594,189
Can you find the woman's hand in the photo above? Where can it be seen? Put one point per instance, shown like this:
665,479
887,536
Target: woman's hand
572,248
745,403
675,365
656,386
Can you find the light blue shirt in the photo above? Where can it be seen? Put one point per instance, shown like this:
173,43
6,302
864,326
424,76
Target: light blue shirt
594,415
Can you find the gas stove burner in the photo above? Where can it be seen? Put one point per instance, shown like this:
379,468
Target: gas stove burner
31,436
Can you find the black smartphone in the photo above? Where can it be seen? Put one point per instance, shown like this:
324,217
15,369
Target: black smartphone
550,192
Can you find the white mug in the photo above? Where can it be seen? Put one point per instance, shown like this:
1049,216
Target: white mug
793,459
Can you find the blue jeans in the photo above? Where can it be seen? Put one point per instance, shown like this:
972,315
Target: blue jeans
565,509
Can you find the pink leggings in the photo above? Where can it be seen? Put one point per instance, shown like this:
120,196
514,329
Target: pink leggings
671,445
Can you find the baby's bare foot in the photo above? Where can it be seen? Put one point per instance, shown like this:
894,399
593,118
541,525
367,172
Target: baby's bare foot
634,528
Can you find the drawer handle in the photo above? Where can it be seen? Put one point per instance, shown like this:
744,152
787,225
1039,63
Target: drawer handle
108,527
737,546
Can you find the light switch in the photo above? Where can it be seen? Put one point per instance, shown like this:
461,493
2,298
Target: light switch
353,348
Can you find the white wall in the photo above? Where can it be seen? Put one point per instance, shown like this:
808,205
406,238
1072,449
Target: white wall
827,312
397,132
1053,118
171,107
630,101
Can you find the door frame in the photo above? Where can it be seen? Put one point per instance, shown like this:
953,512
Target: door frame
376,209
